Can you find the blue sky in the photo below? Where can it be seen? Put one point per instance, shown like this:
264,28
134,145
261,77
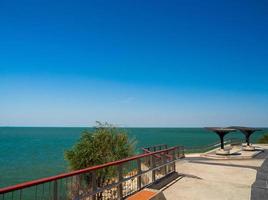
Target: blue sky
134,63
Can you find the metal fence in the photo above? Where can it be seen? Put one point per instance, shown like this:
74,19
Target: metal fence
179,149
154,148
205,148
114,180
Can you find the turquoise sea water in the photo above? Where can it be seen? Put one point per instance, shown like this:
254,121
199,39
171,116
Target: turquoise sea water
28,153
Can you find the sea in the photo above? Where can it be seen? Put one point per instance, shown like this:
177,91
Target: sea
28,153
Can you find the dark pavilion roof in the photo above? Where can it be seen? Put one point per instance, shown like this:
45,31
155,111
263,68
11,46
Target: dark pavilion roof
246,129
221,130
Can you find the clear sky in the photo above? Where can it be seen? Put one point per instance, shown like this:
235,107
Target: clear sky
134,63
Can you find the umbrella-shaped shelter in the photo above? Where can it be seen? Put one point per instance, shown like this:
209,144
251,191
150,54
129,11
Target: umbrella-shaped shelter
247,131
221,132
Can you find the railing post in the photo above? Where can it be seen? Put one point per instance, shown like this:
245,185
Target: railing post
139,174
178,154
164,160
55,190
120,178
94,184
153,166
174,158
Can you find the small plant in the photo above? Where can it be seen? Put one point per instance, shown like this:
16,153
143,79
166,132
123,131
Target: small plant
263,139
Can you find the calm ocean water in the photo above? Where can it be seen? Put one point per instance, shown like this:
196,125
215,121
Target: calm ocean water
28,153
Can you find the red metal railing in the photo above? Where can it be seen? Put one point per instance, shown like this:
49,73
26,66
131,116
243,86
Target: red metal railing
113,180
180,150
156,147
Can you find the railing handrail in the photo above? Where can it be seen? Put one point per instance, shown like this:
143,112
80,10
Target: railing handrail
213,144
159,145
204,146
157,156
147,151
77,172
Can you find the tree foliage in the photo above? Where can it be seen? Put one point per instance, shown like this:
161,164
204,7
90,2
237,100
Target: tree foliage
105,143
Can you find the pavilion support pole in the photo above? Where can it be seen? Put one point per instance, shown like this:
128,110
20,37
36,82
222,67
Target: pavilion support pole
222,140
247,135
247,139
247,132
221,132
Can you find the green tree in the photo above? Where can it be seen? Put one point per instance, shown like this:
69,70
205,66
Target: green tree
263,139
105,143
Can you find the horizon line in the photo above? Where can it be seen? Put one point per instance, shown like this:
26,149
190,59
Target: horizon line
15,126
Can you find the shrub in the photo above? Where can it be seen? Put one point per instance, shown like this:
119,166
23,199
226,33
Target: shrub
105,143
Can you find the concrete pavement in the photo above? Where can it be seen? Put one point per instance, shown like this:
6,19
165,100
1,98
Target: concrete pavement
214,179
